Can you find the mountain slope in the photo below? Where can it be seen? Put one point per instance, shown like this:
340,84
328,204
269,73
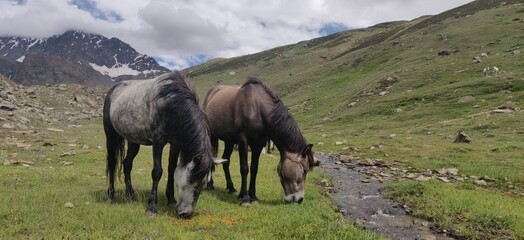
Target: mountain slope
110,57
392,71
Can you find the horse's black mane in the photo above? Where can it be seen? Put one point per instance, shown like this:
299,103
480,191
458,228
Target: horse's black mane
283,129
187,121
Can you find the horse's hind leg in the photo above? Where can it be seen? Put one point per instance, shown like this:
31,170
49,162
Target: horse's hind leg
170,188
132,151
214,144
227,155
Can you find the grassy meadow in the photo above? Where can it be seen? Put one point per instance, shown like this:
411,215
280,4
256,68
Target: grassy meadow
383,91
34,196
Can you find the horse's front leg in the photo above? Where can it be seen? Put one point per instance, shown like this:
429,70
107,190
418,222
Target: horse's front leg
255,156
227,155
156,174
132,151
243,197
170,189
214,144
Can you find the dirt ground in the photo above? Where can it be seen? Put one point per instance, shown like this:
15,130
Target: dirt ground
359,199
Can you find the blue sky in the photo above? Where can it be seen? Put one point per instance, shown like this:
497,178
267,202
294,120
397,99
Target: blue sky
90,6
181,33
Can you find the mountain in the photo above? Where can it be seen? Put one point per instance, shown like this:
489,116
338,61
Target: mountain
111,58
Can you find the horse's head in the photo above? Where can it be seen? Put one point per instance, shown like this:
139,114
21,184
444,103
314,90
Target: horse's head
292,169
190,179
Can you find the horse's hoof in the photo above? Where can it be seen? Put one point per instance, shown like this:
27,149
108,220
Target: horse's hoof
245,204
150,214
254,202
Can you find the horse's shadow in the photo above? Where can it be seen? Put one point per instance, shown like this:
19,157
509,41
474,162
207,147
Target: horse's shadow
222,194
141,198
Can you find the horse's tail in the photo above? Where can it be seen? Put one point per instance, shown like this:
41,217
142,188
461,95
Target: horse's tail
115,150
114,142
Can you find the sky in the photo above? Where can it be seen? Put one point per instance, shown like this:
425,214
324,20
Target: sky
183,33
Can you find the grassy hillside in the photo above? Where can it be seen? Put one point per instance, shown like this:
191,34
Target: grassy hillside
386,93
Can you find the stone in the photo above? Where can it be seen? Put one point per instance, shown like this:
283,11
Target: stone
481,182
69,205
65,154
422,178
346,158
366,162
383,174
23,145
453,171
503,111
411,175
462,137
443,179
54,130
428,236
7,107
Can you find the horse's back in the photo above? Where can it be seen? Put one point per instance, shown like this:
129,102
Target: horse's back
130,111
234,110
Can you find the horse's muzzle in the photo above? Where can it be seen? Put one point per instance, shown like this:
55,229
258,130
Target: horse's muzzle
184,215
294,198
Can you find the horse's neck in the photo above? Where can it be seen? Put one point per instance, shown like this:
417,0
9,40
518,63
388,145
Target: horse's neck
289,142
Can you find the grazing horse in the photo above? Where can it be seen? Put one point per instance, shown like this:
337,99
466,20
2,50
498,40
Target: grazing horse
248,115
156,112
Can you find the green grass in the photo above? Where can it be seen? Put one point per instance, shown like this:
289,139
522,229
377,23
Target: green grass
332,86
469,211
33,198
319,80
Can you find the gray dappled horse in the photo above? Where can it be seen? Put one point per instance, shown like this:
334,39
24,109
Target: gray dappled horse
156,112
248,115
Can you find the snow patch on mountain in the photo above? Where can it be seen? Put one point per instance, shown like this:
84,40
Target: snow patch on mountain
116,70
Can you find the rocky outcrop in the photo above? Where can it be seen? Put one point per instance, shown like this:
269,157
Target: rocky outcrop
49,69
51,105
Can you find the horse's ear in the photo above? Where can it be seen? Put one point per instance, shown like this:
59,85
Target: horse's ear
307,150
218,161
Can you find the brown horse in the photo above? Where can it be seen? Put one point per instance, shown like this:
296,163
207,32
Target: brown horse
249,115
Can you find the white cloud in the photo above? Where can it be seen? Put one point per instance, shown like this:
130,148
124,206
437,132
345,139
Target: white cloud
182,32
